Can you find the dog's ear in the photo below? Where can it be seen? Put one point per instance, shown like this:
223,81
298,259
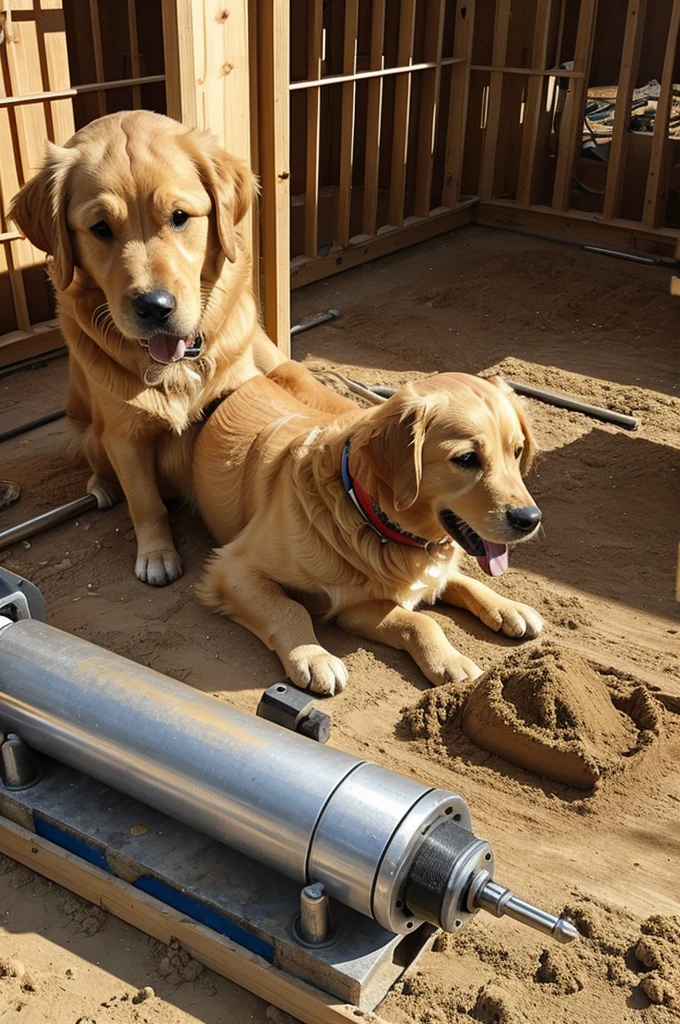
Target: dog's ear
231,184
530,447
393,450
39,211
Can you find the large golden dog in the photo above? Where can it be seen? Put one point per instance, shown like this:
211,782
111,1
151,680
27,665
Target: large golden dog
154,294
363,514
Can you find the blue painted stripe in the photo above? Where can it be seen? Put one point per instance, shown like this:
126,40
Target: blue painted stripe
204,914
68,842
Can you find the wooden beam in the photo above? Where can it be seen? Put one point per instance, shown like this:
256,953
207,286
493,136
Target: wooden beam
362,248
659,160
490,146
458,103
134,52
536,117
274,138
402,110
373,121
347,122
20,345
98,53
428,114
314,50
630,62
578,227
220,954
571,124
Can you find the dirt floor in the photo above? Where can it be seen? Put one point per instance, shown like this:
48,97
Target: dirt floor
600,690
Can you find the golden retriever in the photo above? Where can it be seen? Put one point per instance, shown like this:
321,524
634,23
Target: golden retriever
154,294
363,514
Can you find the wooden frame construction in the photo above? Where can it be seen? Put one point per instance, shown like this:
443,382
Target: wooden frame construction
373,124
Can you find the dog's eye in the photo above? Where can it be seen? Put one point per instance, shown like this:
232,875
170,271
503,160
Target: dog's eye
101,230
518,452
179,219
468,460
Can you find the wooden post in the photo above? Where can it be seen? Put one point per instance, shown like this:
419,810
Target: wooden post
373,121
458,103
657,178
274,81
347,123
630,62
571,125
500,46
402,106
314,44
429,105
536,118
207,49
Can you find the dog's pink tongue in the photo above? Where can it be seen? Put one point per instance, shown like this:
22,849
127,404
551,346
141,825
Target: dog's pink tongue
495,560
165,348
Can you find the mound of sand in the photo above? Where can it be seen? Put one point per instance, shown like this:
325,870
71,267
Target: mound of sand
547,710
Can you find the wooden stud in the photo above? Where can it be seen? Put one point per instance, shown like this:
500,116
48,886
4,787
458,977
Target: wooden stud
274,29
98,53
429,105
571,125
402,109
458,103
490,148
536,118
414,230
373,121
657,177
347,122
220,954
314,52
134,52
630,62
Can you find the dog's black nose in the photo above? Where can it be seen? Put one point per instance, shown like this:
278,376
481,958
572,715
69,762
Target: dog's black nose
525,518
154,306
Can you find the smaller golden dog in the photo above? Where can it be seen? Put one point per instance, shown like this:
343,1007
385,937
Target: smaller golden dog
363,515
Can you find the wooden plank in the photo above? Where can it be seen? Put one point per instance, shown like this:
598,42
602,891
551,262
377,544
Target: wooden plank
56,76
458,103
20,345
414,230
373,121
490,149
314,52
347,122
630,62
536,118
97,53
659,160
578,227
273,31
429,105
402,109
134,52
571,125
220,954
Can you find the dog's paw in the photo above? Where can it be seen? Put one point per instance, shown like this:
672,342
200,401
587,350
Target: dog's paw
312,668
513,619
158,568
452,667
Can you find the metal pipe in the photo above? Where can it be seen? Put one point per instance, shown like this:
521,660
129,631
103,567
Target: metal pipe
392,848
22,531
40,421
575,405
316,321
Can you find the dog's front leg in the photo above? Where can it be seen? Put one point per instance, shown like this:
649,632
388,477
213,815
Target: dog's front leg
235,588
498,613
422,637
157,561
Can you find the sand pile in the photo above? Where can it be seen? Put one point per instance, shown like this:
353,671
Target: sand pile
549,711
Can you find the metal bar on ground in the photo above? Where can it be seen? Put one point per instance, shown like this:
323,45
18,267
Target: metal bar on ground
22,531
316,321
575,405
40,421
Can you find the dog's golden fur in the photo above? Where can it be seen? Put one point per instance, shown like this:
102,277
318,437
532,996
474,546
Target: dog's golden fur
267,481
138,417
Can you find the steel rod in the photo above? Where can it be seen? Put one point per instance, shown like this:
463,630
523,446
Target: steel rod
323,318
39,421
575,405
22,531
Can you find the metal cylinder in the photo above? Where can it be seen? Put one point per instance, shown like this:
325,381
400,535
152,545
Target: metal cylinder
309,811
55,516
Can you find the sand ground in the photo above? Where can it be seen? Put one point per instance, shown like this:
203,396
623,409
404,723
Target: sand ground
603,576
